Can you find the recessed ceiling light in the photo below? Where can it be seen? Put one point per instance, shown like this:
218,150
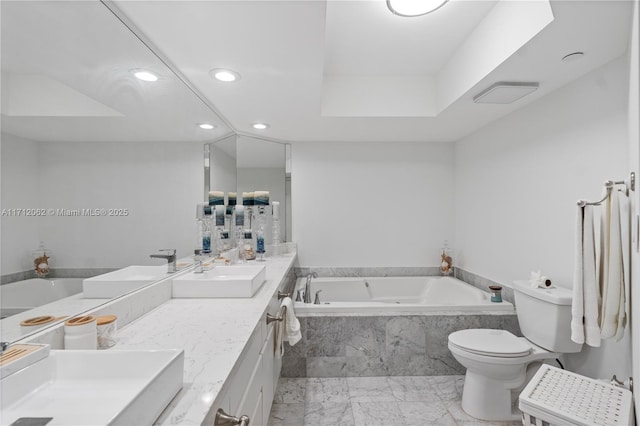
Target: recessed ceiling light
206,126
224,75
260,126
410,8
145,75
572,56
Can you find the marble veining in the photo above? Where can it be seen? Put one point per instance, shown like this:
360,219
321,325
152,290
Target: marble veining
406,401
384,345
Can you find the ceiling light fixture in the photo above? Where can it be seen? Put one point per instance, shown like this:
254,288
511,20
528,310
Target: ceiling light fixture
206,126
145,75
224,75
260,126
409,8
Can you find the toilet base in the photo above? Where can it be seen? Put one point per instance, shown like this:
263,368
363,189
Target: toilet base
487,399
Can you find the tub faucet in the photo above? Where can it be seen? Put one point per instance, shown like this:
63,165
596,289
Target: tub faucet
171,259
5,345
307,287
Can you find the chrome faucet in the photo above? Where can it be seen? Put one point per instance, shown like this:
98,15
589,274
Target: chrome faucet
5,345
171,259
307,287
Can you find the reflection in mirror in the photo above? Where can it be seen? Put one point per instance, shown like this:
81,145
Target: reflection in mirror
261,166
223,169
101,167
246,164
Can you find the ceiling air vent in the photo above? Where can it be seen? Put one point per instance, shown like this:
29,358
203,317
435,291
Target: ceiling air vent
504,92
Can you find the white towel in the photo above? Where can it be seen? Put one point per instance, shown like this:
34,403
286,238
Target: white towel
586,297
613,279
292,332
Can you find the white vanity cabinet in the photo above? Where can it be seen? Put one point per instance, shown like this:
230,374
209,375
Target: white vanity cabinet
252,387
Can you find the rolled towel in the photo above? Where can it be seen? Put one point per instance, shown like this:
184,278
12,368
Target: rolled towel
538,280
292,332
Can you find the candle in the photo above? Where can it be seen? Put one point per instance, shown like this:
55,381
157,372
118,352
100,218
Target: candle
276,209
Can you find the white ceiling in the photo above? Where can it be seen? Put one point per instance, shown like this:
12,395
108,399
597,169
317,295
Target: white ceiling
343,70
336,70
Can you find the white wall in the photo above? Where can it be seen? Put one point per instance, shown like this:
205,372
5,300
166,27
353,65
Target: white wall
518,180
371,204
20,190
159,183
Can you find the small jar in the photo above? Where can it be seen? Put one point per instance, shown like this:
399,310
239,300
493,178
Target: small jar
81,333
496,293
107,328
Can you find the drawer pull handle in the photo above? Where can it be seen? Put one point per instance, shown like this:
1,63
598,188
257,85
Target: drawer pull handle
223,419
282,295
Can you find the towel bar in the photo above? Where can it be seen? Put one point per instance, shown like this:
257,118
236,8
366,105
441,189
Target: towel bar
272,318
631,185
282,295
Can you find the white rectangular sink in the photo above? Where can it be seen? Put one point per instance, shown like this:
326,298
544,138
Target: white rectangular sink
117,283
221,281
94,387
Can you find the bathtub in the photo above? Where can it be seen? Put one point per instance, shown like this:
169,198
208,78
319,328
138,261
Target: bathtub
21,296
395,294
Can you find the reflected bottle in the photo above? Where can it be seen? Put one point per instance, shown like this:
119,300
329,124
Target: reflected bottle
206,229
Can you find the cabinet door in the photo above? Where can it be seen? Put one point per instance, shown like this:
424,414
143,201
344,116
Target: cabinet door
251,402
268,368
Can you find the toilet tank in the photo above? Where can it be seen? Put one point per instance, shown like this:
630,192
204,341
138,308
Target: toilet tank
544,315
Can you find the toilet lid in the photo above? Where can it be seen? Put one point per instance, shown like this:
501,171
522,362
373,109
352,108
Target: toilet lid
498,343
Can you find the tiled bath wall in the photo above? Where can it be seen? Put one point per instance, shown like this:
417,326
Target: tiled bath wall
395,345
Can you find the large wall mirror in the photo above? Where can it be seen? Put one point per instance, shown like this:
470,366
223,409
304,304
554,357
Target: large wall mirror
102,168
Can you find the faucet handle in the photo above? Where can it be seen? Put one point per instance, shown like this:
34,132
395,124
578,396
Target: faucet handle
171,251
317,300
298,297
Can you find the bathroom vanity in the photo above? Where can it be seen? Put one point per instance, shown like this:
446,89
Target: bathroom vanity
229,357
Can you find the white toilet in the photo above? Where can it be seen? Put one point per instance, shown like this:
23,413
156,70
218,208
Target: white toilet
499,364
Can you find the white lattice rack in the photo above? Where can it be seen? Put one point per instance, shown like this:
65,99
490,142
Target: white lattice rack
562,398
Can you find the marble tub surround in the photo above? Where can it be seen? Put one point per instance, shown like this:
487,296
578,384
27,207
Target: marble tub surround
56,273
387,271
484,283
383,401
384,345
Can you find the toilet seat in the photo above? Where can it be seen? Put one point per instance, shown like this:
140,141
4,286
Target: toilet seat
490,343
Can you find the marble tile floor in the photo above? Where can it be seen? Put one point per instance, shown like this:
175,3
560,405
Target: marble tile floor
372,401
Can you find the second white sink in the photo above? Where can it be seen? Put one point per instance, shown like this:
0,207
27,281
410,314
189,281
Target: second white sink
221,281
94,387
117,283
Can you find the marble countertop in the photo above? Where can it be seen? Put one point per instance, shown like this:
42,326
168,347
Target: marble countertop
213,334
